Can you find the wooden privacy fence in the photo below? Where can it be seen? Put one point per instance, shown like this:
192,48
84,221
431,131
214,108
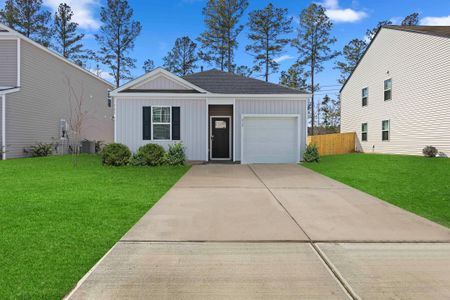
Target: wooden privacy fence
336,143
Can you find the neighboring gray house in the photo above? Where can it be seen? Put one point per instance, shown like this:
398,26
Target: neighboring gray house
39,93
216,115
397,99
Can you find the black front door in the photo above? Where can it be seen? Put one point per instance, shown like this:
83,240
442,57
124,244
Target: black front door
220,138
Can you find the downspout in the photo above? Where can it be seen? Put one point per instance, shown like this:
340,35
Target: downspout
3,127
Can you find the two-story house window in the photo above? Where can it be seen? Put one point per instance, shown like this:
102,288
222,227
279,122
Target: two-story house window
387,89
385,130
364,132
365,96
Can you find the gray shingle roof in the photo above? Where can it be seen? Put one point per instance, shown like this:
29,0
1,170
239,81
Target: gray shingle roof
220,82
443,31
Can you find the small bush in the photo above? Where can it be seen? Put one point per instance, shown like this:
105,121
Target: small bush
176,155
152,154
41,149
430,151
137,160
115,155
311,153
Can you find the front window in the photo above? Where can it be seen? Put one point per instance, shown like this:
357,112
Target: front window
385,129
387,89
365,96
161,123
364,132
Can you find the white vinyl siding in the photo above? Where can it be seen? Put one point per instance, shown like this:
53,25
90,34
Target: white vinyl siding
420,70
193,124
8,63
34,113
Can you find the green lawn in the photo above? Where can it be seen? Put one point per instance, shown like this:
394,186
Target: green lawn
418,184
57,220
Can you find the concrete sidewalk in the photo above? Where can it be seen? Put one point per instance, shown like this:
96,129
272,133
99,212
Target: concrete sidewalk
272,232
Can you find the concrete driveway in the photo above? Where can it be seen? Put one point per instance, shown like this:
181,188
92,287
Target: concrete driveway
272,232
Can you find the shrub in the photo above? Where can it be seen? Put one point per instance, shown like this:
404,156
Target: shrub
137,160
41,149
311,153
175,156
430,151
152,154
115,155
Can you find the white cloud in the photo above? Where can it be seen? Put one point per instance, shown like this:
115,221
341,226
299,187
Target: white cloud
103,74
83,11
342,15
283,58
436,21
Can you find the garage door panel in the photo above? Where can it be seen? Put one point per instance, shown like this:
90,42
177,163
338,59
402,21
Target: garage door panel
270,140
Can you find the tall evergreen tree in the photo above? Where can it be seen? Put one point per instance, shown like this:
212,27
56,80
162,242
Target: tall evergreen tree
219,40
29,18
370,33
116,38
267,28
313,43
294,78
181,60
8,14
149,65
243,71
411,20
351,53
67,39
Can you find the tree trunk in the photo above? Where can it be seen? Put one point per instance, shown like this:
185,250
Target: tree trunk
267,57
312,96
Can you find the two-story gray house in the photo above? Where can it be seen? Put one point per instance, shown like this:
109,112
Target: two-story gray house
40,92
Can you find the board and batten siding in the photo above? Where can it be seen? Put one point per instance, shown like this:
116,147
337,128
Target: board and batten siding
192,124
419,112
33,114
8,62
257,106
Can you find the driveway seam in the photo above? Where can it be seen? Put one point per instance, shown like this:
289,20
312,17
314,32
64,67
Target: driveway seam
328,265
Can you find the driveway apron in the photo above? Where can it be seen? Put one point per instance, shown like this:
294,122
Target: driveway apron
272,232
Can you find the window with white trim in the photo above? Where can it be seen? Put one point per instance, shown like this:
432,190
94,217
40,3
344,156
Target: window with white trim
388,89
365,96
385,130
63,129
161,122
364,132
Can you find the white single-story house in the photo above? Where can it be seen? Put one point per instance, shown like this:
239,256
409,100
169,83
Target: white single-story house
216,115
397,99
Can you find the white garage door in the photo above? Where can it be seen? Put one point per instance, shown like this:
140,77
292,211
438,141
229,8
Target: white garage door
270,139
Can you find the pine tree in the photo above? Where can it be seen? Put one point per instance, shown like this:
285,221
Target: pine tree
313,43
370,33
351,53
29,18
8,14
411,20
67,40
116,38
219,40
294,78
181,60
243,71
149,65
267,28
